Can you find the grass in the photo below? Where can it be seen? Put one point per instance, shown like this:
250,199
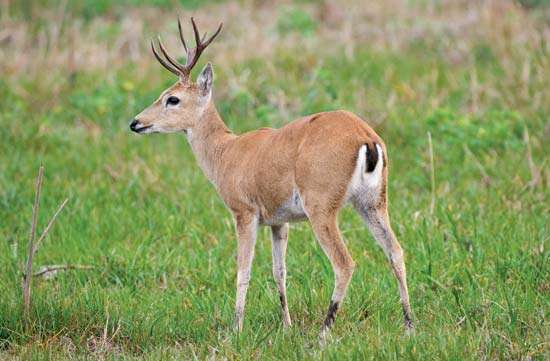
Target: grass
163,246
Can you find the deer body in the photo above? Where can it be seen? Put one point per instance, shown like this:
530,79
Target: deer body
268,170
307,170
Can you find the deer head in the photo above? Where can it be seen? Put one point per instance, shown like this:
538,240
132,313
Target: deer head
180,106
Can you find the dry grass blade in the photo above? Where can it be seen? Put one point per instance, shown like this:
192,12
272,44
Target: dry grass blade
28,277
45,233
33,246
486,179
432,172
45,271
535,172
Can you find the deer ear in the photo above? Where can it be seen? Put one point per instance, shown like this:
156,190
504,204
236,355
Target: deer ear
206,77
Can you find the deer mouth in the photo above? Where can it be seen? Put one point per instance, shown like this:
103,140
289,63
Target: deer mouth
142,129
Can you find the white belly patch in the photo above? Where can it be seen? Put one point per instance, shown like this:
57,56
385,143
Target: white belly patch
291,210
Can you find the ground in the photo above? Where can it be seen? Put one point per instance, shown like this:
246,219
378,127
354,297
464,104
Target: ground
472,76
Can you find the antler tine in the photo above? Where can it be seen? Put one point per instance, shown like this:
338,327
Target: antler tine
172,61
194,54
197,35
213,36
163,63
181,35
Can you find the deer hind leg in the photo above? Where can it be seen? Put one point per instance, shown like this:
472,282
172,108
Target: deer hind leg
327,233
246,225
279,240
370,200
322,178
379,225
324,223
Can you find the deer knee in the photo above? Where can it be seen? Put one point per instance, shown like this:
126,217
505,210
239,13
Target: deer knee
279,273
345,271
396,254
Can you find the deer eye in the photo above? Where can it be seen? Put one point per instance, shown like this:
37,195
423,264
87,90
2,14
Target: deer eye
172,100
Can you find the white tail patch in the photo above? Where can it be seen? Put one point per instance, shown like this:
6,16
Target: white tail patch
366,185
374,178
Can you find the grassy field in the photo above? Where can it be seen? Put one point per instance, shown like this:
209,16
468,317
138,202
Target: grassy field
473,75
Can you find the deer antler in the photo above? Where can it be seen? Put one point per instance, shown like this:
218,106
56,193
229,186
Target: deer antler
193,54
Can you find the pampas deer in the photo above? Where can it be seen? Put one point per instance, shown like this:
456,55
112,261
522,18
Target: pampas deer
307,170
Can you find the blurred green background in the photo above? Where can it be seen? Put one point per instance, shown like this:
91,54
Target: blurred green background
471,74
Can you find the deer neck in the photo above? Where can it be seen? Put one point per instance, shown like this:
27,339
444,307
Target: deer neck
208,140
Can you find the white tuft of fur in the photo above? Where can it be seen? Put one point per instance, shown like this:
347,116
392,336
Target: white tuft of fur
365,186
189,134
373,179
357,177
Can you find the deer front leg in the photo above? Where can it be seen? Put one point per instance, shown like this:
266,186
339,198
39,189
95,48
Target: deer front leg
279,240
247,226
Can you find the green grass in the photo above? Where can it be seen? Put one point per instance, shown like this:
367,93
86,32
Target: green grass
163,245
89,9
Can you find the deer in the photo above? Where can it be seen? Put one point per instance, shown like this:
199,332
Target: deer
307,170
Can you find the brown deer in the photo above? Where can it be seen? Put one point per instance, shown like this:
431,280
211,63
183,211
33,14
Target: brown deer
307,170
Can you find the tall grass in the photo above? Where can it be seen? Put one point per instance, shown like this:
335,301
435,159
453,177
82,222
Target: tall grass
161,242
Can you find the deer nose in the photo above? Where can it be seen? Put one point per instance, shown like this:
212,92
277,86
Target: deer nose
133,125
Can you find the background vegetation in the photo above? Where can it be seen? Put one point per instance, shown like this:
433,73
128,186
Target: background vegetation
473,74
